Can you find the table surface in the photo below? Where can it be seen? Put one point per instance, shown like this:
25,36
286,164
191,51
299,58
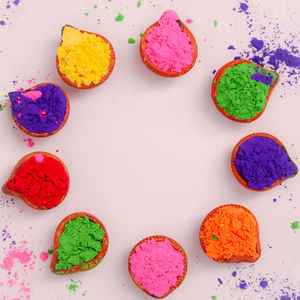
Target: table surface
148,155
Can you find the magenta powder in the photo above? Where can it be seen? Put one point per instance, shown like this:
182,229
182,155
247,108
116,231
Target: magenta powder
168,46
156,265
261,162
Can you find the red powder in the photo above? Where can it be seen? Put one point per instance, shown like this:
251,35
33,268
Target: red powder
42,180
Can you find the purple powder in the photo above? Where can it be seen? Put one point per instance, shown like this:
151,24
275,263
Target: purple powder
289,59
42,115
259,77
231,47
257,44
16,2
243,7
233,273
260,161
220,280
2,23
263,283
243,285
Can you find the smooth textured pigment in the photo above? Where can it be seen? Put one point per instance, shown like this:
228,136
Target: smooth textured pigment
168,46
80,242
260,161
230,232
156,266
42,180
242,90
84,58
41,109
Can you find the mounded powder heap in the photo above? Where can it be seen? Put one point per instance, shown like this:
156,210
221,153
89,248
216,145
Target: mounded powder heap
42,180
41,109
261,161
168,46
230,232
242,90
83,57
80,242
156,265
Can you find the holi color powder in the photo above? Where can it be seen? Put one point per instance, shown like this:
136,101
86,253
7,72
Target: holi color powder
7,9
119,18
272,44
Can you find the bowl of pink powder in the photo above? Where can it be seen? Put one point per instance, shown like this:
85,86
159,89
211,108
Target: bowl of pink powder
157,265
168,48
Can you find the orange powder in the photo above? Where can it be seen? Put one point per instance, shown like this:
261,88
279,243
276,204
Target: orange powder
230,233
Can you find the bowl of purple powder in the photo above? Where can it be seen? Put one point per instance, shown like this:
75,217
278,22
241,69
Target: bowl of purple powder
260,162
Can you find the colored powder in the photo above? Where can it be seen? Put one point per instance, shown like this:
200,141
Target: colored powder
80,242
257,44
22,255
44,256
44,184
243,285
83,57
168,46
215,23
139,3
220,281
131,41
214,298
242,90
119,17
295,225
189,21
73,286
261,162
231,47
41,109
243,7
237,229
50,252
2,23
263,283
29,142
156,265
234,273
86,13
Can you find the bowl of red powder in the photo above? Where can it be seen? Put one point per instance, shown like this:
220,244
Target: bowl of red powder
168,48
40,179
260,162
157,265
41,110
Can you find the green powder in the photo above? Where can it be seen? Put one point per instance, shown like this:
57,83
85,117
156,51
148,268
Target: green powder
215,23
119,18
131,41
50,251
213,297
239,95
214,238
86,13
141,34
80,242
139,4
295,225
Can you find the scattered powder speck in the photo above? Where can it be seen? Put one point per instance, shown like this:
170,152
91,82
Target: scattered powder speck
131,41
29,142
119,18
189,21
295,225
215,23
74,286
214,298
44,256
231,47
86,13
139,3
50,251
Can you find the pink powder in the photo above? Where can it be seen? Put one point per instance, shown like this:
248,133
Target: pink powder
167,46
23,257
189,21
30,143
44,256
33,95
156,266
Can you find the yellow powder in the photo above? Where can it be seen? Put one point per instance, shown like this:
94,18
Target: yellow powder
83,57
